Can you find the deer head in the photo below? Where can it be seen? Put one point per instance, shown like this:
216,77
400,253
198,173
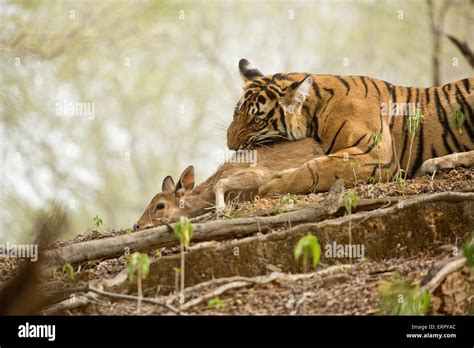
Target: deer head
170,204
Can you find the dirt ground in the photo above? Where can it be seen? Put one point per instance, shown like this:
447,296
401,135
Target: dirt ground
353,290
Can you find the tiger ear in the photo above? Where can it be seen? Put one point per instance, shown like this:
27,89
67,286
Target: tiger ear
299,93
248,71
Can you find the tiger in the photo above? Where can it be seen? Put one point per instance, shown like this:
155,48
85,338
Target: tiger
362,123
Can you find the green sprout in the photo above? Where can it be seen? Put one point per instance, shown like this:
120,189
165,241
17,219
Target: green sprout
177,272
350,201
68,271
377,141
93,262
183,230
353,165
401,297
387,173
216,302
399,178
307,246
458,120
289,201
468,252
371,179
278,211
97,221
138,263
413,123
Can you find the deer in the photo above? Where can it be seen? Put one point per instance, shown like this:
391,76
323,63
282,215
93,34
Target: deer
233,180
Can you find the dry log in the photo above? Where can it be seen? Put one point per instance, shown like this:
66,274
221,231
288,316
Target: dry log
217,230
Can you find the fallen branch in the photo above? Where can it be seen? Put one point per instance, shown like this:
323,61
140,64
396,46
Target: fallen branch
447,269
79,301
216,230
135,298
222,289
240,282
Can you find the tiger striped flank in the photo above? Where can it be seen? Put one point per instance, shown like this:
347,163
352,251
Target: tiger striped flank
343,113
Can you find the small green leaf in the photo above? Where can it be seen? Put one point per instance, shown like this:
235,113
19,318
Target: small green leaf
414,121
400,178
216,302
306,246
68,271
376,139
183,230
468,252
458,120
350,201
401,297
138,261
97,221
289,201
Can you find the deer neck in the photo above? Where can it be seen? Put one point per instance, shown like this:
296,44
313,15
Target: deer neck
200,200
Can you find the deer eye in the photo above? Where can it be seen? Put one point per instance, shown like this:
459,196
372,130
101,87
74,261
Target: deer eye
160,206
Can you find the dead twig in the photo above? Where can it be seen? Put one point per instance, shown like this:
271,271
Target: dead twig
239,282
135,298
448,268
71,303
301,301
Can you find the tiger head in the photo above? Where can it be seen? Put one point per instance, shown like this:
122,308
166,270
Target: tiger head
270,108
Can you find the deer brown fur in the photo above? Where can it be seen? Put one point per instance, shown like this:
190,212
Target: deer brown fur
239,181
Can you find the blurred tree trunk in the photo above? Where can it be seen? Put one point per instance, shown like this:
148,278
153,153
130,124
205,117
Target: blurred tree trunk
436,26
464,48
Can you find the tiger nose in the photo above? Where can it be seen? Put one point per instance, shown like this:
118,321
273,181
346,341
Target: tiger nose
136,227
232,137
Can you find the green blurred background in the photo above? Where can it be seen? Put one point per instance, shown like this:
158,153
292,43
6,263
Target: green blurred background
160,80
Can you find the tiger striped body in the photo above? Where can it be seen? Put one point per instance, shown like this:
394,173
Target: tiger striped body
343,114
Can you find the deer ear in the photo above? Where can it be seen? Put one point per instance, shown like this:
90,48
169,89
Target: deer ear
168,185
186,181
248,71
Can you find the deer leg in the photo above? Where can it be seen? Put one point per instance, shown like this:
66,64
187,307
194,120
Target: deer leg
243,180
219,191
